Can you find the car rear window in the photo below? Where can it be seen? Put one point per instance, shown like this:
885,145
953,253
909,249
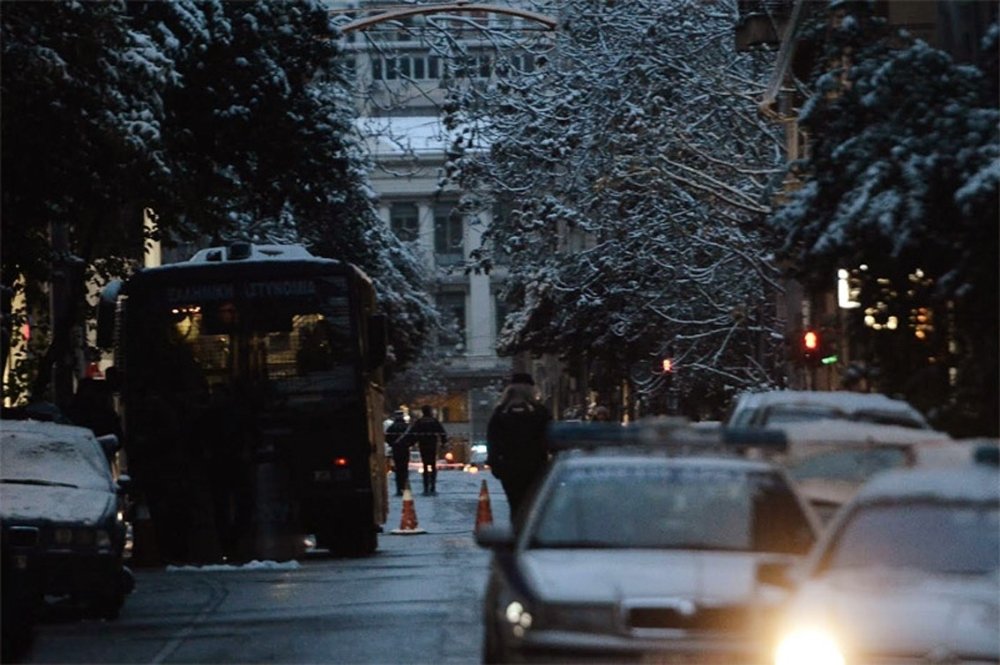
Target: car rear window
848,465
662,507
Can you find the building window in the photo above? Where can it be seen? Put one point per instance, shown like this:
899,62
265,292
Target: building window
448,245
451,304
405,221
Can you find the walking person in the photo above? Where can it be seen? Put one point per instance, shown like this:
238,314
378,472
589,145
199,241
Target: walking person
516,441
429,434
399,442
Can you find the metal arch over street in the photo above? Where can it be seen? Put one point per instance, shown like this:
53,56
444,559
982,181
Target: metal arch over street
404,12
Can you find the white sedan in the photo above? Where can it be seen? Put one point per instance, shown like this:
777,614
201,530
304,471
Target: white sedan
908,572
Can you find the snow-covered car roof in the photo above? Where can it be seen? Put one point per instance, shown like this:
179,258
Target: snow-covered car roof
970,482
849,403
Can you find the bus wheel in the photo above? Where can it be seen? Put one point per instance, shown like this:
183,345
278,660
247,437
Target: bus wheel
355,543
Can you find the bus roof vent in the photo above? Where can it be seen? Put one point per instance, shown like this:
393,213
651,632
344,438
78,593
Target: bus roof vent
240,251
245,251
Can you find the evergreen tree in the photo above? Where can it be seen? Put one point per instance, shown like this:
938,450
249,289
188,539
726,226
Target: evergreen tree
902,179
228,119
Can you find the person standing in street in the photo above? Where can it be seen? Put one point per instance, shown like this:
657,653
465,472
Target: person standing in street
516,447
429,434
399,443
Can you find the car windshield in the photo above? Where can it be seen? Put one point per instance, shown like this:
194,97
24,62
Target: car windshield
59,462
657,506
932,536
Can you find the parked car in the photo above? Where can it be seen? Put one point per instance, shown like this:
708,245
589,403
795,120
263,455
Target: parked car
61,510
909,572
831,459
780,407
477,454
637,550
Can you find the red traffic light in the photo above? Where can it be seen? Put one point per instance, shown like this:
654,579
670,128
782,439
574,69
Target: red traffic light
810,340
668,365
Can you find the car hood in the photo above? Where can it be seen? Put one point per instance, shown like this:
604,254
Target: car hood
717,578
906,612
33,503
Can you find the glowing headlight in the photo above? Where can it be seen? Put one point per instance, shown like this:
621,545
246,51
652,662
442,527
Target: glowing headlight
518,617
810,646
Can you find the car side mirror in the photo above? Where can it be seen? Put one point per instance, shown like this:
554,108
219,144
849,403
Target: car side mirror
109,444
124,483
495,537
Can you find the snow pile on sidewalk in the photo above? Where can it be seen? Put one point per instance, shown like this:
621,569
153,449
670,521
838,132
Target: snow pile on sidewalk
251,565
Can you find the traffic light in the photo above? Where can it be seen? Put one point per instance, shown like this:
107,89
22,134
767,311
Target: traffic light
811,343
667,361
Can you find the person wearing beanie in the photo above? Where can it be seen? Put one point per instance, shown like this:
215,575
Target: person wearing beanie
516,447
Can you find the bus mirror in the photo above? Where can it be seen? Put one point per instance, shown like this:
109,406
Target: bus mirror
106,308
376,340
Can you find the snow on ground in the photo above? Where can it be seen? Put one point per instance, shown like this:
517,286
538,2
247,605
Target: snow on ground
251,565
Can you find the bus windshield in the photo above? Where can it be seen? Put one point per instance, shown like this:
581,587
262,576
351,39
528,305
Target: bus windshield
291,345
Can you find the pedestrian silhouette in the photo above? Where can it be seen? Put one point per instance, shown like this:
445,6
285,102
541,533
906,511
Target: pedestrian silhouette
517,452
395,437
429,434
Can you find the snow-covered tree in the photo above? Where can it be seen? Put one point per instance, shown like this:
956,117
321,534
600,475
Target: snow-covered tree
630,169
261,127
81,99
902,178
228,119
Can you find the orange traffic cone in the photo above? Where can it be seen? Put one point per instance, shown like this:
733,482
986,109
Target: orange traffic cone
408,520
484,515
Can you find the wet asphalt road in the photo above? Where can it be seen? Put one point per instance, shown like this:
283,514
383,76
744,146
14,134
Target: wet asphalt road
417,600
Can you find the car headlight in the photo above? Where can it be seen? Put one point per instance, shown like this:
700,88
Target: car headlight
103,538
809,646
518,617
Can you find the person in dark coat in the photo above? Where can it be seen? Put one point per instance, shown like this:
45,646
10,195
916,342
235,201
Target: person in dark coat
429,433
516,448
395,436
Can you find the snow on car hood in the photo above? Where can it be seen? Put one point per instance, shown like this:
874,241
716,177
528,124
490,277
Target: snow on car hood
571,576
33,503
907,611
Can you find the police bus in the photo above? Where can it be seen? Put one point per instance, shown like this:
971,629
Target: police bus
250,384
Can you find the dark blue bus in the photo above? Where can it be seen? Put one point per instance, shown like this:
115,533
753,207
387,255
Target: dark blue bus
250,386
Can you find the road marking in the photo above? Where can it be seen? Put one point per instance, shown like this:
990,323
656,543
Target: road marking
218,594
